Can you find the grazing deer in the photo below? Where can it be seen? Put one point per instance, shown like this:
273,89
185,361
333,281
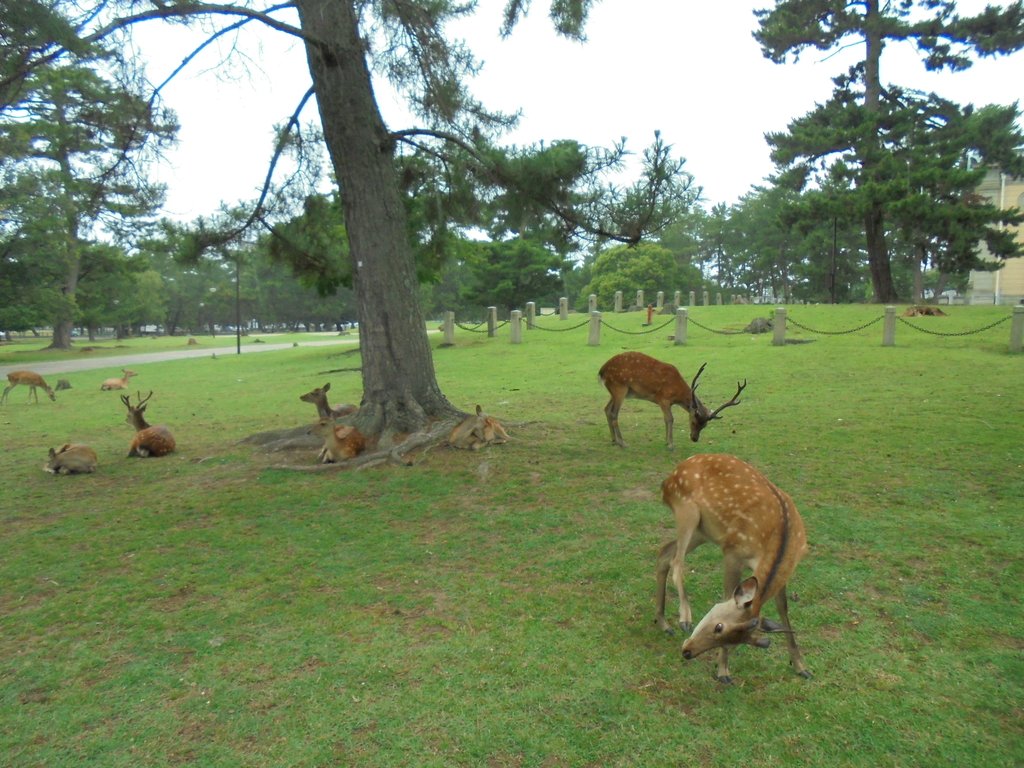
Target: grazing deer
148,440
118,383
476,431
721,499
340,442
318,397
31,380
634,374
71,460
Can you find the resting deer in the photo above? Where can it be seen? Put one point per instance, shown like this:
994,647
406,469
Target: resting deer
340,442
118,383
721,499
634,374
71,460
318,397
31,380
148,440
476,431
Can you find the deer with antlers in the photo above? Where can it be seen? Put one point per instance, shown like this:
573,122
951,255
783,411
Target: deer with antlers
720,499
148,440
634,374
31,379
118,383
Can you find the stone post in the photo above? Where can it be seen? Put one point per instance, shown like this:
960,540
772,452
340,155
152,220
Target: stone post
516,321
449,329
563,308
659,302
531,313
594,337
492,321
779,329
592,303
1017,329
618,301
889,330
680,326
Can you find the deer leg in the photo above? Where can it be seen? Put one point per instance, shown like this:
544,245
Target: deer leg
687,538
3,399
795,657
667,410
612,412
665,558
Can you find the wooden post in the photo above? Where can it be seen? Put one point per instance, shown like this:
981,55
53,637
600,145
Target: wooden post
618,301
779,327
531,313
680,326
594,337
517,326
889,329
449,329
1017,329
492,321
563,308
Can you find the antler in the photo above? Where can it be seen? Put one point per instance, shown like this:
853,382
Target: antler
693,384
730,403
142,401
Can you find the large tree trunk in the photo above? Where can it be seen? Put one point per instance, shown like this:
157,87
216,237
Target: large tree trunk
400,391
874,217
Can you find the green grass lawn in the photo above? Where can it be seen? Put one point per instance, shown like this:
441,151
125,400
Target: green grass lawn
496,608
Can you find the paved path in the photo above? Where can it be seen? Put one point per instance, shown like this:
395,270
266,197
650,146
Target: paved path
124,361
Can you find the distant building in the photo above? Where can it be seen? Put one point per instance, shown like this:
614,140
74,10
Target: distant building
1006,285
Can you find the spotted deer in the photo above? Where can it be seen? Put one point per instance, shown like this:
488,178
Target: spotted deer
318,397
71,459
118,383
720,499
340,441
634,374
30,379
148,440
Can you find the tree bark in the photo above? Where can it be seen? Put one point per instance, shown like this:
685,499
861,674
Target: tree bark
400,391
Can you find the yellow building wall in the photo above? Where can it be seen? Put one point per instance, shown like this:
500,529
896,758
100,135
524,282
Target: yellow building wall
1006,285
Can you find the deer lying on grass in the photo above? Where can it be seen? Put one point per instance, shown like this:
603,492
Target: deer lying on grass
476,431
634,374
31,380
71,460
318,397
721,499
118,383
148,440
340,442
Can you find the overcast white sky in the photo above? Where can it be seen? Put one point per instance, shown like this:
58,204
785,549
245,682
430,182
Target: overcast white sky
689,69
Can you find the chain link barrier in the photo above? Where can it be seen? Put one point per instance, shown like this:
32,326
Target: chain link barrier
715,330
637,333
953,333
868,324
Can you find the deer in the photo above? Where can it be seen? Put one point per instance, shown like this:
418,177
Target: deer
148,440
318,397
71,459
476,431
634,374
721,499
32,380
341,442
118,383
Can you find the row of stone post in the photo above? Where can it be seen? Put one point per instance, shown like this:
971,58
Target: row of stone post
778,326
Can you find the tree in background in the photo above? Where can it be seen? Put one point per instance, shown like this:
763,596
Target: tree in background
69,145
646,267
509,273
856,136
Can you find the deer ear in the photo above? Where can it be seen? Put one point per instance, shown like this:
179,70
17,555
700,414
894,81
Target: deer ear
327,386
745,592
